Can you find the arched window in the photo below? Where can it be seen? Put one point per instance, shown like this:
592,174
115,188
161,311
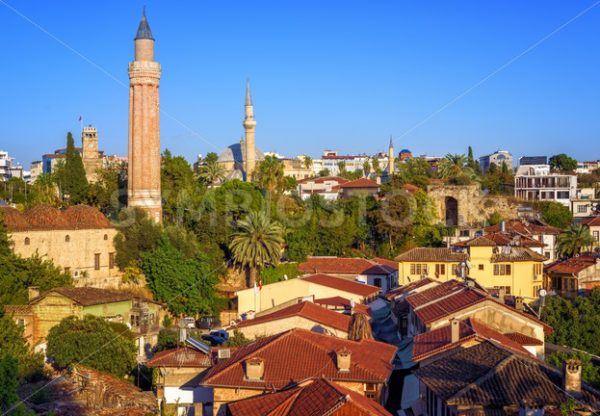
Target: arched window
67,238
27,241
105,237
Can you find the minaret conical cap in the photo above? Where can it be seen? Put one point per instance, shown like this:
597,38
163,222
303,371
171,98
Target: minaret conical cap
248,95
144,31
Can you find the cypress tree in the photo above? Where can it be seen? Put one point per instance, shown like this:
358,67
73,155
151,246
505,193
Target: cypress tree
75,181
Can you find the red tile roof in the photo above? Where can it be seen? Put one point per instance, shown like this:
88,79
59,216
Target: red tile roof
394,293
43,217
392,264
320,397
344,285
87,296
573,265
431,294
306,310
524,228
338,301
592,222
408,187
323,179
180,357
449,305
313,356
344,265
438,340
431,254
360,183
523,339
501,239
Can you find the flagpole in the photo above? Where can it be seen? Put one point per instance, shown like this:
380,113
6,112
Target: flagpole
81,124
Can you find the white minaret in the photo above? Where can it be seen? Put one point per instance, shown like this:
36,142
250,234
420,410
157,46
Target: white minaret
391,158
249,145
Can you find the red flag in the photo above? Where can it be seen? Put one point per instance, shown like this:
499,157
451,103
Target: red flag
260,284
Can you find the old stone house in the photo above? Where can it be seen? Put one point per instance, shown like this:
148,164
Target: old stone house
572,276
46,310
78,239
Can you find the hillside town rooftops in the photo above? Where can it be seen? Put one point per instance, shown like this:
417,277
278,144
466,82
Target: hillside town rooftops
180,357
523,227
572,266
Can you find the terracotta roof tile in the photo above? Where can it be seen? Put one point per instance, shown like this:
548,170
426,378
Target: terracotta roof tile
87,296
17,309
344,265
417,299
449,305
523,339
344,285
323,179
524,228
490,376
438,340
314,356
338,301
320,397
592,222
43,217
431,254
307,310
517,254
180,357
394,293
360,183
573,265
392,264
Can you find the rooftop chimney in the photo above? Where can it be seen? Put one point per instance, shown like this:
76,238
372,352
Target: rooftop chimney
255,369
503,226
501,294
454,330
519,303
572,377
33,292
343,359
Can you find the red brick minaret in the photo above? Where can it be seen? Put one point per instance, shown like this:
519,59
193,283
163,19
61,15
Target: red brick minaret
143,176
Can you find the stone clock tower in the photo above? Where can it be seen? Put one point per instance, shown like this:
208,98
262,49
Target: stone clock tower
89,153
143,176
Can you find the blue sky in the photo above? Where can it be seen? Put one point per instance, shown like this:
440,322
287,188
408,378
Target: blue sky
324,74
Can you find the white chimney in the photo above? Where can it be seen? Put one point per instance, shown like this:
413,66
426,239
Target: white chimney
572,377
255,369
343,359
454,330
519,303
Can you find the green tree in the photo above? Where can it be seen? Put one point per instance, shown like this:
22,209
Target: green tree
5,243
211,171
376,166
14,190
167,339
563,163
74,181
554,213
366,168
184,283
589,372
44,191
93,342
575,239
178,186
107,192
256,243
455,168
269,175
308,162
137,234
471,162
324,172
30,366
9,382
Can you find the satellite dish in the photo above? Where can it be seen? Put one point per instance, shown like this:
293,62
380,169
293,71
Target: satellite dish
542,292
468,264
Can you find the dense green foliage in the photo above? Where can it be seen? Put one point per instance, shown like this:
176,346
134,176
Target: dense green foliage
71,177
563,163
12,342
93,342
185,282
167,339
554,213
278,273
576,322
138,234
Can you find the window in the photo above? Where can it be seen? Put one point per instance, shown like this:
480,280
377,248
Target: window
371,391
596,235
464,233
67,238
97,261
537,269
582,208
480,267
27,241
105,237
419,269
562,195
502,270
547,254
377,282
21,323
67,270
111,260
536,290
440,270
506,289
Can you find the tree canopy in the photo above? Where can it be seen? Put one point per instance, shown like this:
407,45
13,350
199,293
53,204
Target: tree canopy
574,240
71,176
93,342
563,163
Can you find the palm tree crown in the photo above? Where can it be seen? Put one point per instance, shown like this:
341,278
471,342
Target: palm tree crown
256,243
574,240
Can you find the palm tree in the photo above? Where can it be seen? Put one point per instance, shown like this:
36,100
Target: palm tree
367,168
256,243
574,240
308,162
269,174
212,172
456,167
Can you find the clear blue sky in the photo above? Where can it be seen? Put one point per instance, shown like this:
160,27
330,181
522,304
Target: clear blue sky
324,74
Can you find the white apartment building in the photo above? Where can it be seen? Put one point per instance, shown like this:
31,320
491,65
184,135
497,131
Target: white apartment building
331,161
8,169
498,158
538,183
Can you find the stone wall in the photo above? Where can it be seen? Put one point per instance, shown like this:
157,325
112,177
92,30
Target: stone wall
473,207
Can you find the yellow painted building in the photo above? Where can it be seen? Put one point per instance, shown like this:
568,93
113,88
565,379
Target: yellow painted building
517,270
